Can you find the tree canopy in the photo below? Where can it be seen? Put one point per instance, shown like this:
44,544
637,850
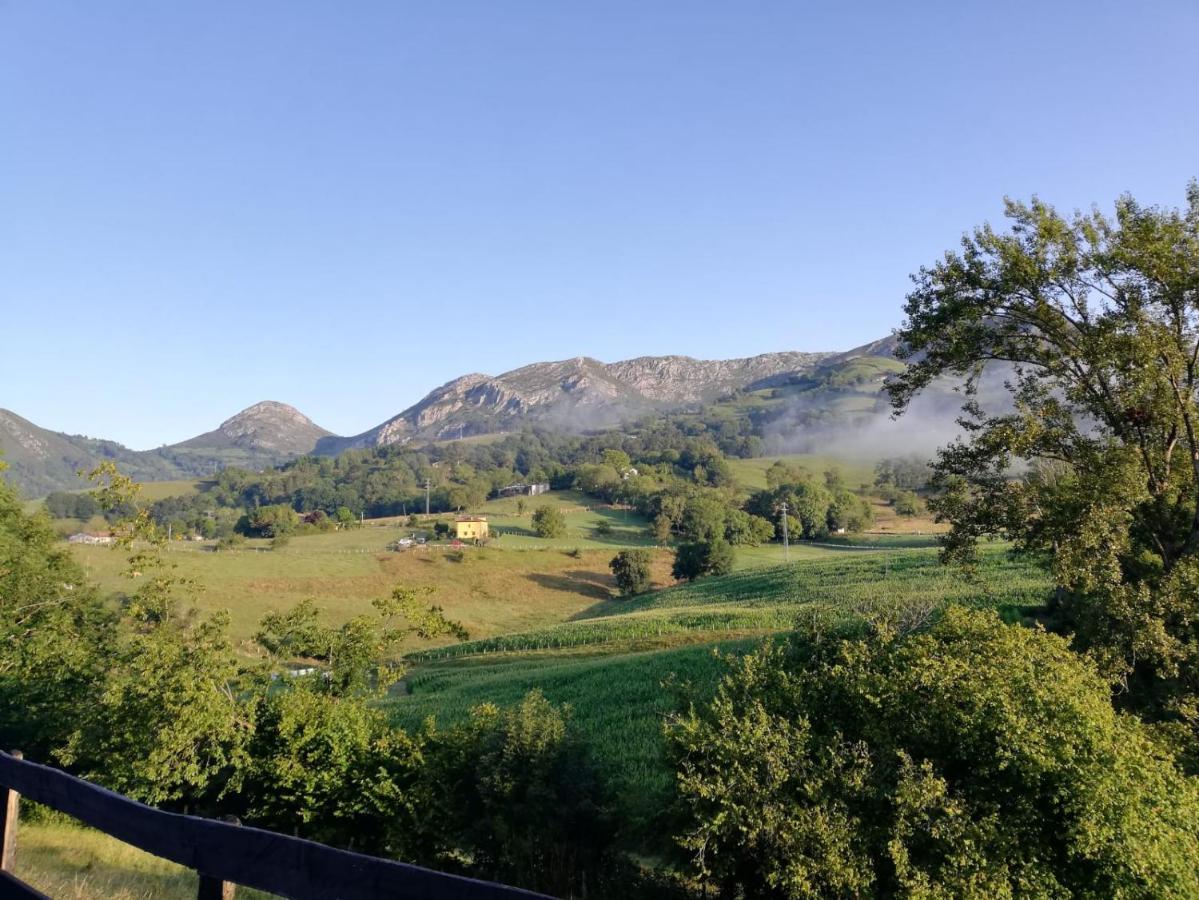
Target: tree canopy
1093,459
972,759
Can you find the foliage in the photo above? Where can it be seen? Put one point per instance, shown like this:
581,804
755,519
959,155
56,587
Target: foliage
973,759
71,505
163,722
166,723
1096,460
357,656
631,571
697,558
277,520
52,626
910,473
332,769
548,521
514,791
816,508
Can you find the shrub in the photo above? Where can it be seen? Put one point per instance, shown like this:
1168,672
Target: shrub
332,770
975,758
549,522
516,793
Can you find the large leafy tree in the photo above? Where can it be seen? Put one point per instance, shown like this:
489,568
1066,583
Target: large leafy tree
52,629
166,722
974,759
632,571
1094,322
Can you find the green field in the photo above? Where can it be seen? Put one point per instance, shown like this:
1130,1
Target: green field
517,582
611,663
829,587
547,617
617,705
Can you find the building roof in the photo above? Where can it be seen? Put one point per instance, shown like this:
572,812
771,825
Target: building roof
471,519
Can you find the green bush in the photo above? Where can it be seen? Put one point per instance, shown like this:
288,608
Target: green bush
973,759
549,522
696,558
514,792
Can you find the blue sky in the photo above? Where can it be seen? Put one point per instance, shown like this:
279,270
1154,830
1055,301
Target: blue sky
343,205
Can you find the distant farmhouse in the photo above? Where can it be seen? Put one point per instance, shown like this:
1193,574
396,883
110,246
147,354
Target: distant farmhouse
471,528
527,490
91,537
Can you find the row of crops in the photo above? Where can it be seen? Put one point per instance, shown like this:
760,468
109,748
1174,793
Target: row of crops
904,588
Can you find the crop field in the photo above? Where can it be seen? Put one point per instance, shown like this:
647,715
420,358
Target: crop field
829,589
617,707
610,665
602,665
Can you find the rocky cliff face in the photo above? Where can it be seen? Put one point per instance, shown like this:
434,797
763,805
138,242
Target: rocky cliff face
579,393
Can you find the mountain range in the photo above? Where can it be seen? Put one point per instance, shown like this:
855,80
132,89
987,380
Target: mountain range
574,395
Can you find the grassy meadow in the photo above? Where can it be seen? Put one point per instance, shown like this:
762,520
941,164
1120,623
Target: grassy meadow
489,590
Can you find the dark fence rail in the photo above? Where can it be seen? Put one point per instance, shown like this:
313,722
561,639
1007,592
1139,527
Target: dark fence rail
223,853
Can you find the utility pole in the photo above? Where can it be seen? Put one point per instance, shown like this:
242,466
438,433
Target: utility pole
786,537
427,486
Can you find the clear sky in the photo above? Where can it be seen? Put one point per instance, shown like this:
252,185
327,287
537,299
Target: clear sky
342,205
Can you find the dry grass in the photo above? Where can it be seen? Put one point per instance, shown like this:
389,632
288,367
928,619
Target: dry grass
887,521
490,591
70,862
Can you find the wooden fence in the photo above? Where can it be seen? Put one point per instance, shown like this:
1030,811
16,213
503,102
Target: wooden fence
224,854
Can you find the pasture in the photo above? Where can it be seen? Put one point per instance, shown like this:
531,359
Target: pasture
490,590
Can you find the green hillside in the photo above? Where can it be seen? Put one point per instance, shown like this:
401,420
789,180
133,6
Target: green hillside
610,664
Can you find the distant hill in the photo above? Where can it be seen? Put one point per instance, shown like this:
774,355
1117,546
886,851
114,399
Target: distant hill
266,434
40,461
795,390
269,428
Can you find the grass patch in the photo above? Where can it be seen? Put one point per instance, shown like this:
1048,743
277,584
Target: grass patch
73,862
828,589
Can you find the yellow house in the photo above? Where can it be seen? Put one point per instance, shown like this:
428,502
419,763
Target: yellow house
470,528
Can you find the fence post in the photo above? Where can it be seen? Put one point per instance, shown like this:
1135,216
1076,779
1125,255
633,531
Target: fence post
9,815
213,888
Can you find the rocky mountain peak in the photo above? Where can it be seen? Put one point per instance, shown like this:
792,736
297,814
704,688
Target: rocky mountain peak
267,426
